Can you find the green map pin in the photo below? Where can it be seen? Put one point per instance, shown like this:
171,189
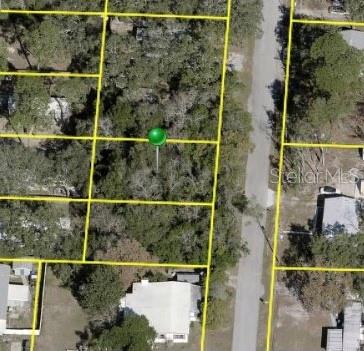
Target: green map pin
157,136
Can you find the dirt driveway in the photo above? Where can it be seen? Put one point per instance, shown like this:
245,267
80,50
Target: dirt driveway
62,318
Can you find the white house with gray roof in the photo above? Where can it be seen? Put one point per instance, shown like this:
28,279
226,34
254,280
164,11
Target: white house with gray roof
347,338
170,307
340,215
12,296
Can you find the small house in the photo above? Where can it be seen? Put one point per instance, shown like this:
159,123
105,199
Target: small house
339,215
170,307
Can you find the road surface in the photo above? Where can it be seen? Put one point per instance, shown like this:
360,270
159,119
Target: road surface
266,69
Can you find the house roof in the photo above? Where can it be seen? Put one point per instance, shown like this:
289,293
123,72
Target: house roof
340,210
352,324
166,305
354,38
334,340
188,277
18,293
23,265
4,282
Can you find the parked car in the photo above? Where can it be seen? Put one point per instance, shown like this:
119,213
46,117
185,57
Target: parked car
338,9
329,190
337,3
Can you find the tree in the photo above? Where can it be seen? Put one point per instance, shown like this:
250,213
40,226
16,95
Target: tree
355,9
3,56
35,229
54,167
47,43
321,290
175,234
31,99
133,334
325,79
92,294
343,250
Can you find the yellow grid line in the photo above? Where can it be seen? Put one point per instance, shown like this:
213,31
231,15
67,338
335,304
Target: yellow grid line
170,16
151,202
328,22
169,140
51,12
96,125
105,263
104,201
216,172
35,306
319,269
95,138
49,74
279,185
323,145
115,14
102,138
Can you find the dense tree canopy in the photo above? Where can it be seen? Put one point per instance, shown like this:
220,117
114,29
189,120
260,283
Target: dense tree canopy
43,229
47,105
66,43
326,82
355,9
130,171
172,234
52,168
75,5
133,334
170,6
99,290
163,73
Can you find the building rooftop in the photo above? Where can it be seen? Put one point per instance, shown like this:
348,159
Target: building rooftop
23,265
4,283
354,38
340,211
334,340
166,305
18,293
352,324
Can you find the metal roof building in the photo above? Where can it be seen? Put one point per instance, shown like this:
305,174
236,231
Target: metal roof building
340,211
4,284
169,306
352,324
334,340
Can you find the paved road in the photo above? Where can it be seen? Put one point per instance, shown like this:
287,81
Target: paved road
266,69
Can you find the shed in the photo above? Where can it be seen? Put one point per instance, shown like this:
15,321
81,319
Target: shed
23,268
352,324
340,215
334,340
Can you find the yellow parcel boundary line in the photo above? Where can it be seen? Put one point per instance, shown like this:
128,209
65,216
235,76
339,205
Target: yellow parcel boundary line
279,186
319,269
95,138
103,201
101,138
216,172
49,74
35,306
325,146
105,263
96,125
115,14
328,22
